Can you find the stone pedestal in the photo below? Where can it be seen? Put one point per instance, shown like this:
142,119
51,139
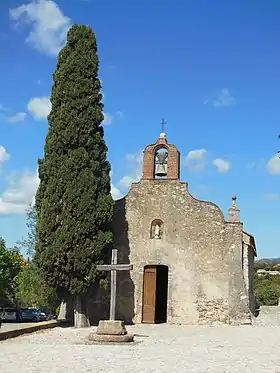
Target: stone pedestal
111,327
111,331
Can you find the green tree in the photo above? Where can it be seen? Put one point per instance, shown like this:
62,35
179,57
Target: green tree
73,202
267,292
11,263
32,290
30,242
266,286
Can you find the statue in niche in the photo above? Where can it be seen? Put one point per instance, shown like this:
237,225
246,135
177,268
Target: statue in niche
156,229
157,232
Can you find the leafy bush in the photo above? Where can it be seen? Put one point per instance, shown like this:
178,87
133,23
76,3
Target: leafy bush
267,287
32,290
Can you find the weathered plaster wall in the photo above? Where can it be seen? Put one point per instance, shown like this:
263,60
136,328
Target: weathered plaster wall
248,270
239,312
251,260
202,251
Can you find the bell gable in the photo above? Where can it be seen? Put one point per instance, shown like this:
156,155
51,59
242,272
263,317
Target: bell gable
161,161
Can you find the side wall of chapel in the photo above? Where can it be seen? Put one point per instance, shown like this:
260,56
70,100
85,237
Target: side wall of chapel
248,270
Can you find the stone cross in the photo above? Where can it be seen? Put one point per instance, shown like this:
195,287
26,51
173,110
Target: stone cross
113,268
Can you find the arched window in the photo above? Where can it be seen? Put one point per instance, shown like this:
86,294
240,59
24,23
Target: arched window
160,163
156,231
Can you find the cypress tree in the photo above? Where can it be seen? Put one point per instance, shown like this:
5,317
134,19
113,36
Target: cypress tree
73,202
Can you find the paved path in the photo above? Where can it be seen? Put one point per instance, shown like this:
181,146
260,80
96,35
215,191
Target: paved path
269,316
11,326
158,348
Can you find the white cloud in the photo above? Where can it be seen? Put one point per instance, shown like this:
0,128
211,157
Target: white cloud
221,165
273,165
224,99
39,107
101,90
19,194
48,26
127,180
18,117
195,159
108,119
4,155
271,196
135,160
115,192
21,191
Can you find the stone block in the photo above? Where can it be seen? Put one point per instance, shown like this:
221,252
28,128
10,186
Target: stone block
109,327
106,338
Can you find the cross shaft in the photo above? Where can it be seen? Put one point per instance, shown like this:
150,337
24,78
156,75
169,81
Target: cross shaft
113,268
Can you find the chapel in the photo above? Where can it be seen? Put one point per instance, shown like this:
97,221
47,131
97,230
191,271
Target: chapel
191,265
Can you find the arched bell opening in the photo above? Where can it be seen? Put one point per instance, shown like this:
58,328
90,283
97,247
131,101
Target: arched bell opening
160,163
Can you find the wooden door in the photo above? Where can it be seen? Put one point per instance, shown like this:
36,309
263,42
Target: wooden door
149,295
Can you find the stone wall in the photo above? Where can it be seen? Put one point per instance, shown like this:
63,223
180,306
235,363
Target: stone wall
249,254
251,260
202,251
239,312
248,270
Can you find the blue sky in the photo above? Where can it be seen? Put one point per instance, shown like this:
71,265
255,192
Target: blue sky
211,68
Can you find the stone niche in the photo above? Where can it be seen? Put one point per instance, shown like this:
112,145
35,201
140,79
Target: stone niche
156,231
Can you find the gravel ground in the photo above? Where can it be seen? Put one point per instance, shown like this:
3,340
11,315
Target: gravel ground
158,348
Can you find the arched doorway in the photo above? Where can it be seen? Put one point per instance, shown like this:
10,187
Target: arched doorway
155,285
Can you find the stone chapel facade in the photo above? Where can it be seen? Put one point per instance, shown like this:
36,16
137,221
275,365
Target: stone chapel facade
190,265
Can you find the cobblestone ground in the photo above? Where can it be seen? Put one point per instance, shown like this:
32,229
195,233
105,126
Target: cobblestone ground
158,348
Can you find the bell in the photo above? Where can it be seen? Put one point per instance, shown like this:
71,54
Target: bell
161,170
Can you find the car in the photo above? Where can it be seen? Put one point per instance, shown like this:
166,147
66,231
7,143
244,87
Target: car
31,314
50,316
42,314
11,314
